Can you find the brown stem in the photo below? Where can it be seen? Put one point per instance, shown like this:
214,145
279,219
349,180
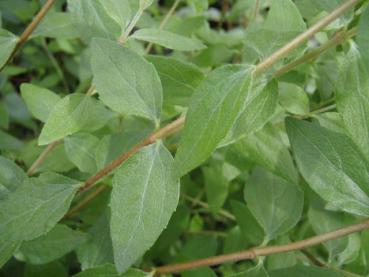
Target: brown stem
42,157
299,40
164,132
263,251
30,28
336,40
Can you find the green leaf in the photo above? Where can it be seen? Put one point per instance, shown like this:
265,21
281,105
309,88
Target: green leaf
80,150
91,19
168,39
8,41
108,270
275,203
284,22
7,248
53,245
363,37
8,142
141,204
126,82
304,271
267,149
55,269
179,78
214,109
293,98
250,228
71,114
98,250
4,117
216,186
11,177
39,101
332,166
261,103
353,100
35,208
56,25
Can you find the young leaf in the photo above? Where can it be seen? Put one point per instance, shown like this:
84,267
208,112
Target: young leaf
8,41
119,10
293,98
283,23
36,206
141,204
353,100
92,20
213,110
108,270
179,78
275,203
257,271
53,245
168,39
71,114
304,271
363,38
11,177
80,149
332,166
39,101
126,82
267,149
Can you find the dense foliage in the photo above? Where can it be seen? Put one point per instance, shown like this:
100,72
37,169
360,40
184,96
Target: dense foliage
137,134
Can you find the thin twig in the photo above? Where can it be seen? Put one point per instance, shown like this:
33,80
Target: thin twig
42,157
30,28
313,54
164,22
264,251
299,40
85,201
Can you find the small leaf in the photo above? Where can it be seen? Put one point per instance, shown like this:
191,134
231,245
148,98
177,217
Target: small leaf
293,98
8,41
141,204
283,23
126,82
332,166
53,245
275,203
179,78
304,271
4,117
39,101
108,270
71,114
213,110
257,271
168,39
11,177
8,142
98,250
267,149
80,149
119,10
